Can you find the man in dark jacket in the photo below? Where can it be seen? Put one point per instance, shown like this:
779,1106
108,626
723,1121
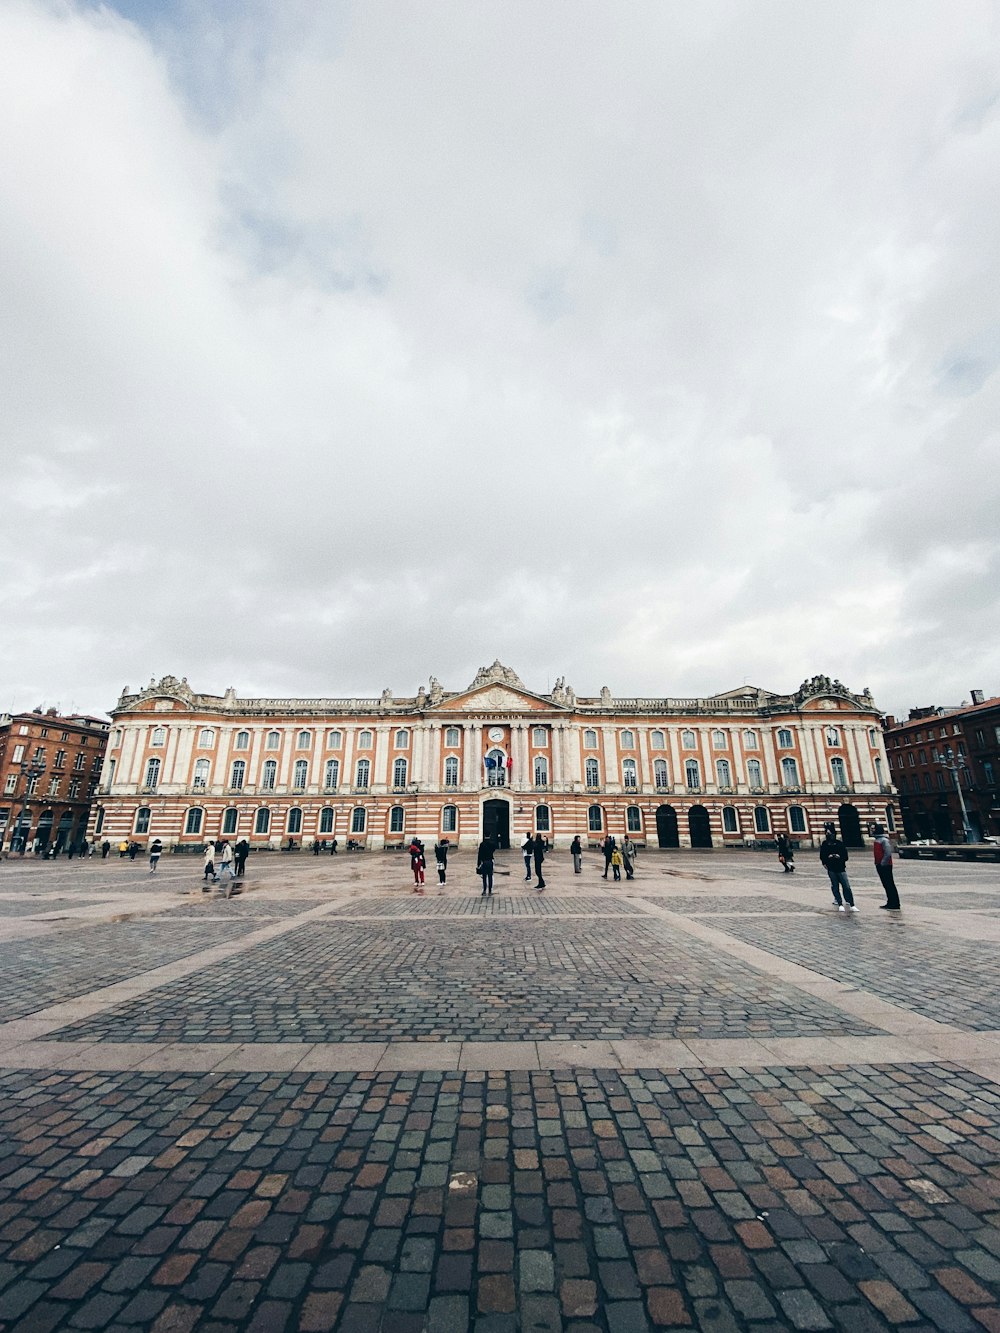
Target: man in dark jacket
833,854
538,851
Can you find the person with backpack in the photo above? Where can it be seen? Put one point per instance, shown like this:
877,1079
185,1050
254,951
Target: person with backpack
833,854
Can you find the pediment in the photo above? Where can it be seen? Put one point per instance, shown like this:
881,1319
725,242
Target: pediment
497,699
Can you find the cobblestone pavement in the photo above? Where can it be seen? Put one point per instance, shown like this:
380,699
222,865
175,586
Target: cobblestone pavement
701,1101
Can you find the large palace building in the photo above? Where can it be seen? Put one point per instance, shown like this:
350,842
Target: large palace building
495,759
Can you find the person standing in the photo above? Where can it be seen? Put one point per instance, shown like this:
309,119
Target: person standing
105,849
527,851
484,866
122,848
616,863
576,851
225,856
417,864
609,849
882,852
240,860
628,857
441,859
833,853
785,854
538,853
333,847
155,851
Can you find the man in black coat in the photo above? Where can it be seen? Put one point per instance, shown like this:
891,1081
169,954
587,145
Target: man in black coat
538,852
834,854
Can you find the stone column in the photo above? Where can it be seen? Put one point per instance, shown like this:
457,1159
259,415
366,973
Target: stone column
519,749
645,771
557,731
381,776
347,761
433,776
477,771
467,758
418,754
612,776
676,774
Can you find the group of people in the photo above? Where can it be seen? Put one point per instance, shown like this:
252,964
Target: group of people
617,857
834,855
222,862
418,861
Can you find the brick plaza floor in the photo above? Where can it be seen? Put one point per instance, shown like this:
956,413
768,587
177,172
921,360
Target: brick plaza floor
698,1100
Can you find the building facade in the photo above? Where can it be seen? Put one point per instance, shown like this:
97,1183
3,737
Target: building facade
493,759
929,778
49,770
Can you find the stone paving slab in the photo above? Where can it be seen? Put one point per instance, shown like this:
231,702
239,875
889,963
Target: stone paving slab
628,1200
748,904
528,903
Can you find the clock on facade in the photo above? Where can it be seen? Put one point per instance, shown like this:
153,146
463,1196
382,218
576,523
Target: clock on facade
496,733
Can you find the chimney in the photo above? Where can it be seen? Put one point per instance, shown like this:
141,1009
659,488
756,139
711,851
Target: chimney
977,696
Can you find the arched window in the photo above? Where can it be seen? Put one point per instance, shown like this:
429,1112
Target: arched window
496,768
399,773
839,771
449,819
334,740
358,819
789,773
879,778
363,773
242,741
539,736
750,741
270,774
730,820
364,740
590,739
326,820
193,822
723,773
630,777
273,740
200,774
303,741
784,738
832,736
262,823
761,822
396,819
873,736
206,739
543,821
294,824
451,736
689,740
402,739
796,819
142,819
718,740
152,773
99,821
633,819
300,773
595,819
657,740
230,820
541,770
159,736
627,740
451,771
660,776
755,774
238,774
331,773
593,774
692,774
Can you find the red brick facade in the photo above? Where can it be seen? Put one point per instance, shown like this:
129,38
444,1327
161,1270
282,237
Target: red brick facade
49,769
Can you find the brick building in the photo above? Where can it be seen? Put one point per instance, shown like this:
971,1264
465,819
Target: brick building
49,769
928,789
494,758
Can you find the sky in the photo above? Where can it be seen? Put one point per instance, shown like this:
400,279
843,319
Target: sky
652,346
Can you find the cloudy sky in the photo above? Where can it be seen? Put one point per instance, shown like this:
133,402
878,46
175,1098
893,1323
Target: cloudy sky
650,345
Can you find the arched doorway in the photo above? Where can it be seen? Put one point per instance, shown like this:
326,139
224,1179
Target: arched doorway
700,829
63,830
666,827
943,830
44,831
850,826
496,822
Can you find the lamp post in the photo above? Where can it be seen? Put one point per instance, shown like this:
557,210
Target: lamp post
956,764
31,771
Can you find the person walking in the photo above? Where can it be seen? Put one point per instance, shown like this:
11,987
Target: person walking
628,857
225,857
527,851
833,853
882,852
484,866
616,863
155,851
209,867
417,864
538,853
576,851
785,854
333,847
105,849
242,851
441,859
122,848
609,849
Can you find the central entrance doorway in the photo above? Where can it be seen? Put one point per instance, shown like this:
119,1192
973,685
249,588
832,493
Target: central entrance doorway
496,823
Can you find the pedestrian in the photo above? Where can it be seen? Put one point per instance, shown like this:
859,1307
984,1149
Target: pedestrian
576,851
242,851
122,848
628,857
882,851
155,850
133,850
834,854
441,859
616,863
484,866
225,860
105,849
527,851
785,854
417,864
538,853
609,850
208,867
71,848
315,846
333,847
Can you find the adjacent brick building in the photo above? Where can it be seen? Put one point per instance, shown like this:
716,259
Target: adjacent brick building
49,769
928,790
494,758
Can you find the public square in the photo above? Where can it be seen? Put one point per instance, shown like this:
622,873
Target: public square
700,1099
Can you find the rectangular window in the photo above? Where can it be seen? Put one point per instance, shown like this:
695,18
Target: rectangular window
730,823
79,761
10,784
18,754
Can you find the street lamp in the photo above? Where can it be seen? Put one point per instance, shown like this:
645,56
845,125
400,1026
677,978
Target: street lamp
956,764
31,771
